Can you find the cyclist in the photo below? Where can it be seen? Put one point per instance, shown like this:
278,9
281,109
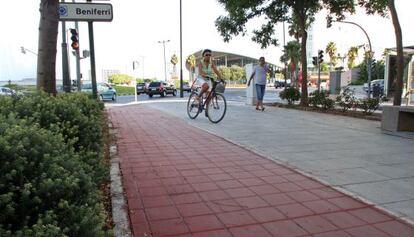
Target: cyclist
206,67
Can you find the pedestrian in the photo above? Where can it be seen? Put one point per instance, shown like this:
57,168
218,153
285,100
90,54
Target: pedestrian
259,74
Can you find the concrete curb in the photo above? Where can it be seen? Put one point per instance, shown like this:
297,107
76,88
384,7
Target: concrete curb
119,206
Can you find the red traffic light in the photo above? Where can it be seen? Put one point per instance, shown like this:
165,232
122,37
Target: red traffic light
75,39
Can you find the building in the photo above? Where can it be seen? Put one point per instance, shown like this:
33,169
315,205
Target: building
106,73
229,59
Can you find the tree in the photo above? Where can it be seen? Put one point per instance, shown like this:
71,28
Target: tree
291,55
237,73
352,55
120,78
46,59
332,52
225,72
382,7
274,11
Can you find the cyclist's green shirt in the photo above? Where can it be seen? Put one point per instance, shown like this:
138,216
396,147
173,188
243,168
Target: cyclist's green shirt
207,68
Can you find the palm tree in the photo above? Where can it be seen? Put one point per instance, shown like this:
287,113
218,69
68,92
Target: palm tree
352,55
332,52
46,59
292,54
190,62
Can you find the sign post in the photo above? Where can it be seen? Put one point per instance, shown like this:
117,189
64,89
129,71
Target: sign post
89,12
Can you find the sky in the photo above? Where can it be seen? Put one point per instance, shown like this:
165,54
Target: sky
137,27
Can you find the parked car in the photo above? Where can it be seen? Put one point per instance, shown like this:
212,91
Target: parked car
377,82
161,88
6,91
142,88
281,83
105,90
186,87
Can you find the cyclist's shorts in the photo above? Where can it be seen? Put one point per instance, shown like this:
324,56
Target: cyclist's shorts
200,81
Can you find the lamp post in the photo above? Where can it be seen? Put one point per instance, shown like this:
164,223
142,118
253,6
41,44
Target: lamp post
165,61
181,51
369,58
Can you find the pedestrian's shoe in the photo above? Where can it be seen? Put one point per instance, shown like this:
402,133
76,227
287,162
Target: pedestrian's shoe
257,108
262,109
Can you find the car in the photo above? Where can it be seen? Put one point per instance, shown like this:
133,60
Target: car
324,85
281,83
105,90
142,88
6,91
377,82
161,88
186,87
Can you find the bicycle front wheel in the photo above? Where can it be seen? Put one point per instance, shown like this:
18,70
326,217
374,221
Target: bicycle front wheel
216,108
193,107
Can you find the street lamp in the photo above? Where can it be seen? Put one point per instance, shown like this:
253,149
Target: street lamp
165,61
369,58
181,51
24,50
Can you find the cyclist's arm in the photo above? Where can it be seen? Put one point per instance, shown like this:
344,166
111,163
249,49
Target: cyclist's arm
216,71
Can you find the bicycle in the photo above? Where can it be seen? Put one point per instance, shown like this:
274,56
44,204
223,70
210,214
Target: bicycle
214,104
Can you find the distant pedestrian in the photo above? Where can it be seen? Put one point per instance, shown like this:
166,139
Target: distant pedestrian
259,73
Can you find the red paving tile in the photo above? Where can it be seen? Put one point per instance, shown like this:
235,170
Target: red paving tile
219,189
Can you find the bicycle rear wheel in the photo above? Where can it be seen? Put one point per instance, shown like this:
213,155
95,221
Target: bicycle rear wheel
193,107
216,108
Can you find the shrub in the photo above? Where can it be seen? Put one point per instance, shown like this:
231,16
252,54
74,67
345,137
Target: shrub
290,94
44,187
369,105
320,99
51,165
74,115
346,100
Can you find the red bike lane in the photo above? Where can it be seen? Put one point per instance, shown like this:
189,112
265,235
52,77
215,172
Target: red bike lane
182,181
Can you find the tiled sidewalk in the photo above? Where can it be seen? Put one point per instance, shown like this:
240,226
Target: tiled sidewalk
182,181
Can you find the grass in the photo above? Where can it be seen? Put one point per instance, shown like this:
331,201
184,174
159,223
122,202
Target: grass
124,90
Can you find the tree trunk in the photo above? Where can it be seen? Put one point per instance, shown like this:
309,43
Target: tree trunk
304,93
46,60
400,55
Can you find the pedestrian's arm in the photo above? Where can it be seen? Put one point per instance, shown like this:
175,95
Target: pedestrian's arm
251,77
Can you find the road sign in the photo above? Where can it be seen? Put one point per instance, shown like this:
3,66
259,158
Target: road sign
85,12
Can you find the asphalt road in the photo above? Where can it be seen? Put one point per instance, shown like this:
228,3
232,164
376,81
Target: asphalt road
231,94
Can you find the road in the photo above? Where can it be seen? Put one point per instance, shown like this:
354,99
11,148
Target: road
231,94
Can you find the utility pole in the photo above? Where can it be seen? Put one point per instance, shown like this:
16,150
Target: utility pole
65,62
165,61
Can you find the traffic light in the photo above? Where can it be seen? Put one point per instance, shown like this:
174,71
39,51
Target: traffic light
75,39
373,63
315,61
328,22
320,56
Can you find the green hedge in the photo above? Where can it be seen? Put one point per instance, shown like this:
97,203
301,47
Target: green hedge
51,166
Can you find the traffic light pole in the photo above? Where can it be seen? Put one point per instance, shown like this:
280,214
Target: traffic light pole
65,60
319,75
78,70
92,57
